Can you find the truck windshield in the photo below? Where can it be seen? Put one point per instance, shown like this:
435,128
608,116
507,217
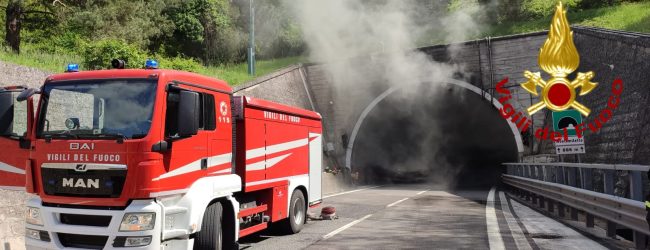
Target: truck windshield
97,109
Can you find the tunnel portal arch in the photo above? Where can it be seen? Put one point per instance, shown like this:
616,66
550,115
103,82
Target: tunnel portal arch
462,84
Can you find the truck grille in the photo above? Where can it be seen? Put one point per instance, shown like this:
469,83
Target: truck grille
82,241
85,220
91,184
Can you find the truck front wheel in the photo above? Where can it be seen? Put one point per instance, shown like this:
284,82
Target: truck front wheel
211,235
297,213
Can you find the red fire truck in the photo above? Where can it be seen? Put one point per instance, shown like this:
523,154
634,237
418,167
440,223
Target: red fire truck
163,159
13,132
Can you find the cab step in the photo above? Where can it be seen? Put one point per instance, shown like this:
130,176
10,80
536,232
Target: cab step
252,211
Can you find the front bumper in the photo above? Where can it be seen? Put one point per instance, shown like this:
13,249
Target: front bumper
74,236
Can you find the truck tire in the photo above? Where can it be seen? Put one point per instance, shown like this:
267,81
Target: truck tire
211,235
297,214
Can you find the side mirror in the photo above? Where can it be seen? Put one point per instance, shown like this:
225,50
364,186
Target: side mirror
188,113
160,147
26,94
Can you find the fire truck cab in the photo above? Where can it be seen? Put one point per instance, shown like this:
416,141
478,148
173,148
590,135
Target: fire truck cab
164,159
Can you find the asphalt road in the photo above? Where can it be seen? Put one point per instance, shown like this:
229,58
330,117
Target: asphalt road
392,217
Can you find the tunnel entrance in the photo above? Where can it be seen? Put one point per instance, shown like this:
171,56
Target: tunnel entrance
442,134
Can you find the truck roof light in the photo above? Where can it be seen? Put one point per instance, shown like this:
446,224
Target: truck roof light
73,67
151,64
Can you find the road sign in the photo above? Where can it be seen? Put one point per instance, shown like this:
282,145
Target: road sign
573,145
566,119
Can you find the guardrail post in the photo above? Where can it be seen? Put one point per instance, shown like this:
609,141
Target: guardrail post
608,187
560,180
534,198
636,185
636,193
587,183
533,172
587,178
572,182
547,173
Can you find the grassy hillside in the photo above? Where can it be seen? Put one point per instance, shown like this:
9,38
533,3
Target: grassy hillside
626,16
234,74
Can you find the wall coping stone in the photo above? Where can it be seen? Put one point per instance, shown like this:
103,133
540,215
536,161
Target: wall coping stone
265,78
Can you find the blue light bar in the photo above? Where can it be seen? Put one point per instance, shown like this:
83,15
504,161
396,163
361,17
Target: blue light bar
73,67
151,64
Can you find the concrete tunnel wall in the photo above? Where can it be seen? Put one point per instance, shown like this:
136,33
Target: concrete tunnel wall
610,54
484,63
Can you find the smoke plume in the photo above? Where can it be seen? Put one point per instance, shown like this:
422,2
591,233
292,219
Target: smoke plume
367,47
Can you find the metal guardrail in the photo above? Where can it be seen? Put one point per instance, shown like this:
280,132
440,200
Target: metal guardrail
625,212
571,184
626,167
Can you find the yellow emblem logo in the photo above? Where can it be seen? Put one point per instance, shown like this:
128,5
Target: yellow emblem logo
559,58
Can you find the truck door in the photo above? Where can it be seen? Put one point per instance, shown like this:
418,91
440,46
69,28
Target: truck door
315,164
219,128
187,160
13,126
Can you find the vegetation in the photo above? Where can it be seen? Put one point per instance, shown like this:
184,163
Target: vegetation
506,17
233,73
192,35
211,36
624,16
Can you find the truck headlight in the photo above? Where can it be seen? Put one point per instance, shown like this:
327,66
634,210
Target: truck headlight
37,234
137,241
33,216
138,221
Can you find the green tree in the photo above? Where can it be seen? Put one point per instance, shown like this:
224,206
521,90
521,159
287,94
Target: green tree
20,13
136,22
203,29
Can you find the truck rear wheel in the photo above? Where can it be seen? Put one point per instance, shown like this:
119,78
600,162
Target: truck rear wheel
297,214
211,234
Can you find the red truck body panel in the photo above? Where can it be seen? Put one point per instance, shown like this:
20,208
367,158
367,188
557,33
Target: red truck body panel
272,148
272,142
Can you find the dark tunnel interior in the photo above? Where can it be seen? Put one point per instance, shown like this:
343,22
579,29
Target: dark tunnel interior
442,134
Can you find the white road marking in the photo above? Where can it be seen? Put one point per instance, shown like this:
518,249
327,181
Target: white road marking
347,192
341,229
494,235
515,230
397,202
422,192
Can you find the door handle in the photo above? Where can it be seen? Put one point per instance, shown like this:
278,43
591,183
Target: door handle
204,163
